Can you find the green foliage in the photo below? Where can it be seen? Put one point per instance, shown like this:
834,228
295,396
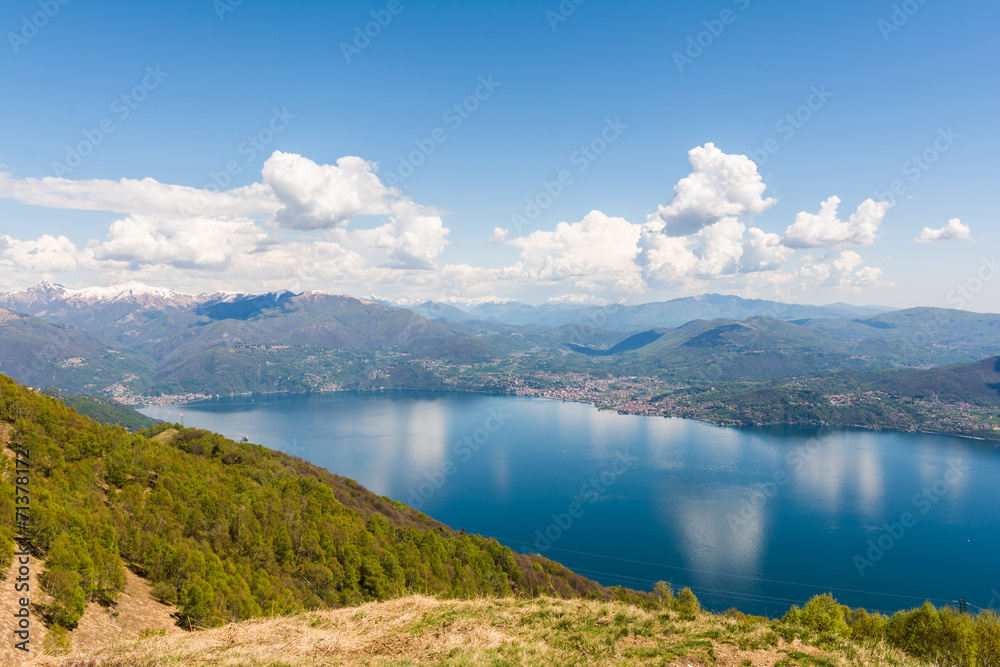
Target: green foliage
67,600
231,531
104,410
664,593
686,602
164,592
942,634
865,626
820,614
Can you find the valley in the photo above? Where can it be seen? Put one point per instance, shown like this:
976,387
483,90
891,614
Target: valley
920,369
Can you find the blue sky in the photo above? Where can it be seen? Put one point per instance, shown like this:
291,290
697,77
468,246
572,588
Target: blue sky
894,81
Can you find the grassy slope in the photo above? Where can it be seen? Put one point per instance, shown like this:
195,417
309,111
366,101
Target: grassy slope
542,631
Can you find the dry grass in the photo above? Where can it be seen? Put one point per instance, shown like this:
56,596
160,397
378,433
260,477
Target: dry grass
421,630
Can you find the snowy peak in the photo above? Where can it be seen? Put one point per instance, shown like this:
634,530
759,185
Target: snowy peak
124,292
56,301
45,288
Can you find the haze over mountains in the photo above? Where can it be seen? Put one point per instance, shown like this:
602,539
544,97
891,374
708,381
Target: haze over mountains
78,306
619,317
134,340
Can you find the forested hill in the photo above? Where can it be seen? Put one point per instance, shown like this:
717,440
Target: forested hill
229,531
102,409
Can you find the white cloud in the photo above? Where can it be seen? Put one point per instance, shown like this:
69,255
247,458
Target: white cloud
763,251
409,240
954,230
699,235
188,228
578,300
298,228
498,236
323,196
202,242
845,271
826,230
145,196
599,251
719,249
46,254
666,258
720,185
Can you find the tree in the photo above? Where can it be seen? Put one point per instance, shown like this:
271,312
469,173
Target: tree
664,593
196,604
68,601
822,614
686,602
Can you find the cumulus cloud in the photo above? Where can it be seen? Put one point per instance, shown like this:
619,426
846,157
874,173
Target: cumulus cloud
190,228
763,251
202,242
594,252
498,236
410,240
46,254
826,230
719,249
953,231
720,185
699,234
322,196
298,227
845,271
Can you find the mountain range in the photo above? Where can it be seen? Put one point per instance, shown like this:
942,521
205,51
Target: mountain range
134,341
619,317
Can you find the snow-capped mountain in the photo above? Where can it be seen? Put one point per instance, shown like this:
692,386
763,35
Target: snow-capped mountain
47,298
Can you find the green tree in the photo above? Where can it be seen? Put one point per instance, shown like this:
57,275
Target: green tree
196,605
822,614
67,600
664,593
686,602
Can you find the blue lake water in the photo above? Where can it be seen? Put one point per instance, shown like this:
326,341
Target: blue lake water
757,519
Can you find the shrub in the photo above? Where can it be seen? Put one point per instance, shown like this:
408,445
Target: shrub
164,592
867,626
686,602
821,614
988,638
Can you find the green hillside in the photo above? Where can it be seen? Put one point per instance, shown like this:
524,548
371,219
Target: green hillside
43,354
104,410
960,399
232,531
229,531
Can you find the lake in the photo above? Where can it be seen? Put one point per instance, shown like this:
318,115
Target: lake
753,518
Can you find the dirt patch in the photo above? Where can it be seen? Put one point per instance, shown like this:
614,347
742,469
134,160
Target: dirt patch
9,604
135,611
727,654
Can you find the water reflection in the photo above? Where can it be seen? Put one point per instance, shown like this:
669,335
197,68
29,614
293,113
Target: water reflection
740,511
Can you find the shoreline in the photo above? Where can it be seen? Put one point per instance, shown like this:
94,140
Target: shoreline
165,400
